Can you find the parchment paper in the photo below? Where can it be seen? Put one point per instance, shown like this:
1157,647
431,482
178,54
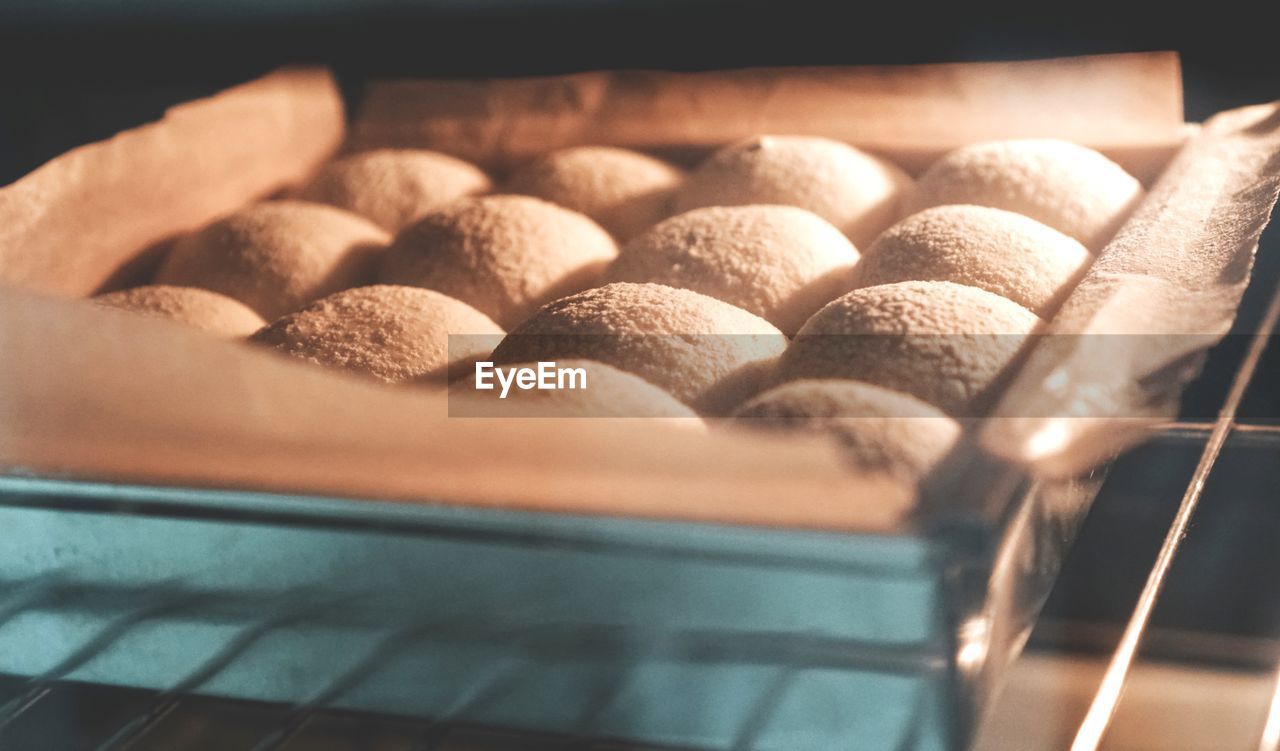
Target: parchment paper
92,393
1114,359
73,223
1128,106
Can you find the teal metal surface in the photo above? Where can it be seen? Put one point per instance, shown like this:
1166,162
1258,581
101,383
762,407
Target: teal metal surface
693,635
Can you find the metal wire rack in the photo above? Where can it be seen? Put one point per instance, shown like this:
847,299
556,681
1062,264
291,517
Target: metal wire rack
182,714
1103,707
115,718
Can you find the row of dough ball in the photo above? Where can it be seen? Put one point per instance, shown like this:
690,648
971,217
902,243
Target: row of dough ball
635,342
1068,187
505,255
394,334
624,191
707,353
508,255
944,343
400,334
723,251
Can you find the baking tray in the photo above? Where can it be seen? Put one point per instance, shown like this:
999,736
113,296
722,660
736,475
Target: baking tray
746,631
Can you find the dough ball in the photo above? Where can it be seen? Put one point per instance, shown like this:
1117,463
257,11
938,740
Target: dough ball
394,187
504,255
881,430
992,249
1075,190
609,392
624,191
941,342
394,334
707,353
858,193
779,262
208,311
277,256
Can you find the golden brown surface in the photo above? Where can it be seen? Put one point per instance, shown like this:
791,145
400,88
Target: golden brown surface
503,255
999,251
624,191
394,334
858,193
394,187
276,256
1075,190
707,353
779,262
208,311
943,343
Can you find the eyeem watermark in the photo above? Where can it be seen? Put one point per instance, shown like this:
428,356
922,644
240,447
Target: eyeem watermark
543,376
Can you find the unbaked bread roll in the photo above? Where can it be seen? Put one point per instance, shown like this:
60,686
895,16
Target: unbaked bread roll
1075,190
707,353
276,256
941,342
996,250
858,193
394,187
503,255
208,311
394,334
608,392
622,190
881,430
779,262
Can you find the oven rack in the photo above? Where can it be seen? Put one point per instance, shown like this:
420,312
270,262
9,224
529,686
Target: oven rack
1106,701
139,719
207,633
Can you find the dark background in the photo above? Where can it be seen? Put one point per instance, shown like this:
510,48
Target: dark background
73,71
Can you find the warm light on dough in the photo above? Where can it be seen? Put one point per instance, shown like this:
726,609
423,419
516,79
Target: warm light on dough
624,191
394,334
394,187
276,256
858,193
503,255
1075,190
996,250
944,343
208,311
779,262
707,353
